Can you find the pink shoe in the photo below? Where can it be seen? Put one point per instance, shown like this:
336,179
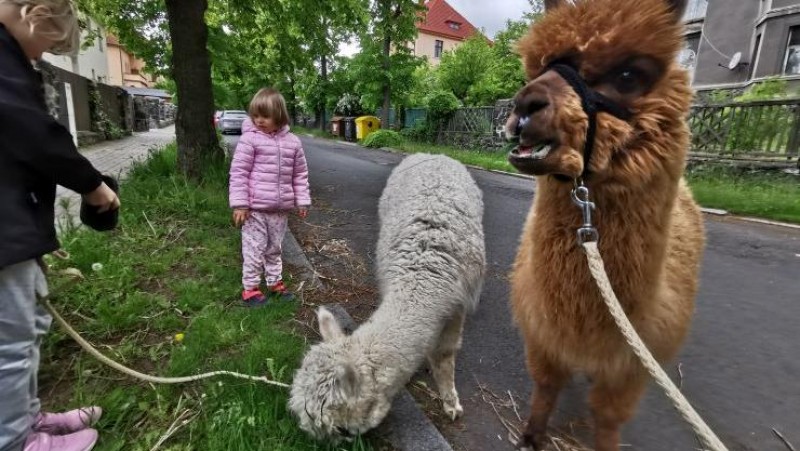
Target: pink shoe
78,441
67,422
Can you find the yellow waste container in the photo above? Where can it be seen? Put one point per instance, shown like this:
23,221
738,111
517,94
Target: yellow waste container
366,125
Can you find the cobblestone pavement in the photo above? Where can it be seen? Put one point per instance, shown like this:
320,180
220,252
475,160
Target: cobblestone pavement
114,158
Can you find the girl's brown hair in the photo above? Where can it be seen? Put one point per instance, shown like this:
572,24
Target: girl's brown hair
269,103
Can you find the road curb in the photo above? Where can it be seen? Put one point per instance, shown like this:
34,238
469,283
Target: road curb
293,255
406,427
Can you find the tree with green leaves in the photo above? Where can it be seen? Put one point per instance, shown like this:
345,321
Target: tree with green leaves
171,36
465,66
385,48
505,74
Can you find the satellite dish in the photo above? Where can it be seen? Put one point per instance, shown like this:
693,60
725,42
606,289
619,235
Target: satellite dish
735,60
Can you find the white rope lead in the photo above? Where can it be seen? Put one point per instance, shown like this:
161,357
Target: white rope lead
598,271
146,377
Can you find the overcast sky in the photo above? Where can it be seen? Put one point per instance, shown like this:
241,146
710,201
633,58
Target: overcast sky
491,15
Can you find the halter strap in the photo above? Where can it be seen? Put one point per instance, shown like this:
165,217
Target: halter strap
592,103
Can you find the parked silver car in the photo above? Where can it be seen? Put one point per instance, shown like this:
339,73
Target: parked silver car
231,121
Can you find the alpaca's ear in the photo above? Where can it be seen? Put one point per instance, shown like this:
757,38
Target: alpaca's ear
329,328
550,5
678,7
347,380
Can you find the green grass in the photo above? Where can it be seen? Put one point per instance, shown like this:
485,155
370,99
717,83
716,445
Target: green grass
312,131
770,195
495,160
173,267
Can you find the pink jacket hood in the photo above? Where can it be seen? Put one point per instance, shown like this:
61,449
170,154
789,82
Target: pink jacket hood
269,171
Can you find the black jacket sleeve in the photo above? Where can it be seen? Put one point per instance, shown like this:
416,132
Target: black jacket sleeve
36,140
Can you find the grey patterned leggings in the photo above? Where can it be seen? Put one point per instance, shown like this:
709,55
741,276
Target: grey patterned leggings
23,323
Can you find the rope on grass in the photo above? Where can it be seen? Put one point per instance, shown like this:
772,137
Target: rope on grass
136,374
686,410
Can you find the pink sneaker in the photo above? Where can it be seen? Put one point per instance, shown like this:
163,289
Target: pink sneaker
67,422
77,441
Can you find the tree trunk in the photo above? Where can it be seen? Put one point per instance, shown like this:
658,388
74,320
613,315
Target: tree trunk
324,78
387,86
191,70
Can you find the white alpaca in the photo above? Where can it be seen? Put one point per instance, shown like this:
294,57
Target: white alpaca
430,268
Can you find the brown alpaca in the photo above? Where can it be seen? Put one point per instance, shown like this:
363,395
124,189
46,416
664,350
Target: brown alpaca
651,231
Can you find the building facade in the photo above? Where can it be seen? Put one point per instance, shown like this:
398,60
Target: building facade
733,44
442,28
125,69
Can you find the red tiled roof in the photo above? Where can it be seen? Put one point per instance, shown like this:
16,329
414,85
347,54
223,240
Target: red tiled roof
440,15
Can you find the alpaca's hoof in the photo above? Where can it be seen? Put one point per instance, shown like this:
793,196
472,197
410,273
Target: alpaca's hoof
454,410
528,443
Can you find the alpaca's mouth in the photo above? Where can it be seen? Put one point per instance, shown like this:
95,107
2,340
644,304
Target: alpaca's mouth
536,152
533,159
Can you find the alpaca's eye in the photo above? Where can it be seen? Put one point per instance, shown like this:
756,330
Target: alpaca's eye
628,81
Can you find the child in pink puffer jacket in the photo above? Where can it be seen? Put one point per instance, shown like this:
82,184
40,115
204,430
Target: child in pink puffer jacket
268,179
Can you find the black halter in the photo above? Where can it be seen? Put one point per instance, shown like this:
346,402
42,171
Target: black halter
592,103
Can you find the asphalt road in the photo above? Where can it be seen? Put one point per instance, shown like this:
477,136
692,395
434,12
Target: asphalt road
740,365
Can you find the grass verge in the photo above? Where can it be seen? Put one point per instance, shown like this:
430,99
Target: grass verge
764,194
173,267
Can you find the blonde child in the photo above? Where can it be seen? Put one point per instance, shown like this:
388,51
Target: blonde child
268,178
36,154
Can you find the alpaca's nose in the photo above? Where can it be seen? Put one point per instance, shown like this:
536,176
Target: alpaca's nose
529,104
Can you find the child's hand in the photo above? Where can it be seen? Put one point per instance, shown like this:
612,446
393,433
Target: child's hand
240,215
103,197
302,212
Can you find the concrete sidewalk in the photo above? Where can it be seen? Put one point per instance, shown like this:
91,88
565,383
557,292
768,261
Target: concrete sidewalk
113,158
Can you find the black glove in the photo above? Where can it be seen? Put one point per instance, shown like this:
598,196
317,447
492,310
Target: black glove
105,221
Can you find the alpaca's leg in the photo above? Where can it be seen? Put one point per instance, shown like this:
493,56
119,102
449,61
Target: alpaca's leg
442,361
550,378
614,402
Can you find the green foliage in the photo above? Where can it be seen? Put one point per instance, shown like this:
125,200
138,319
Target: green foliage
465,66
769,89
719,96
505,74
349,105
420,132
425,80
100,121
441,106
383,138
479,74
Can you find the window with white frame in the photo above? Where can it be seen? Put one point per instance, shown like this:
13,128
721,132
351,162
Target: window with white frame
437,51
688,55
791,65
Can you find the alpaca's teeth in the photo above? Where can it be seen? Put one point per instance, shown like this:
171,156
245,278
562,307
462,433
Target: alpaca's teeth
541,153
